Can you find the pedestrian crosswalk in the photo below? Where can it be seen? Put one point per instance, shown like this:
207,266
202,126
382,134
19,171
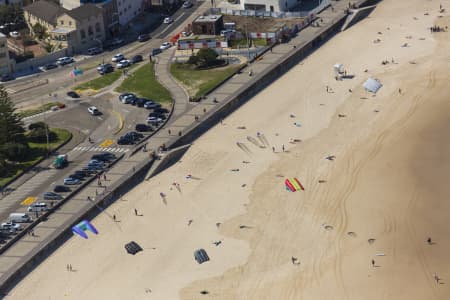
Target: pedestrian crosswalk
101,149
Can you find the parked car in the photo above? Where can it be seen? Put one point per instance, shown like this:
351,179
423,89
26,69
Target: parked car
127,98
77,176
94,51
73,94
187,4
61,189
168,20
116,42
154,120
105,68
136,59
93,110
6,77
64,61
161,110
118,57
51,196
106,156
123,64
49,67
140,102
10,226
143,128
14,34
151,104
82,173
134,135
71,181
165,45
39,206
125,141
155,51
143,37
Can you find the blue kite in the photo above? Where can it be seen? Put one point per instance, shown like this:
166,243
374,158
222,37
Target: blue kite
81,227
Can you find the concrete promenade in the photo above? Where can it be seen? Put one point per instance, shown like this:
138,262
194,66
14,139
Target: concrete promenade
22,256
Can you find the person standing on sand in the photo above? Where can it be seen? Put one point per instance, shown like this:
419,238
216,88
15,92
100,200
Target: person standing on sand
429,241
373,263
273,149
135,212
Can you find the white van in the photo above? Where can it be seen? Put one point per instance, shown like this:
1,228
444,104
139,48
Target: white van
19,218
40,206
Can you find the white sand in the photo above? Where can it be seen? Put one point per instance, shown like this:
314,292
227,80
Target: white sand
383,184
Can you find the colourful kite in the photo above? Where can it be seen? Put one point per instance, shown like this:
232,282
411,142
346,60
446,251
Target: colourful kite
293,184
81,227
76,72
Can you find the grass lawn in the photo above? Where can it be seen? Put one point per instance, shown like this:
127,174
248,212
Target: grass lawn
37,152
200,82
100,82
143,83
37,110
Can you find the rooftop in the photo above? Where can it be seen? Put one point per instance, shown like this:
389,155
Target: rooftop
47,11
205,19
85,11
197,37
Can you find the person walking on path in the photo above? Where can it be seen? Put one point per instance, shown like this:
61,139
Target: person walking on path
104,176
273,149
282,147
135,212
373,263
114,218
429,241
67,267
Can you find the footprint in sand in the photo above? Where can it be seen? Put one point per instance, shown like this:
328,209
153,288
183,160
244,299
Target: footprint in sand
328,227
371,241
351,233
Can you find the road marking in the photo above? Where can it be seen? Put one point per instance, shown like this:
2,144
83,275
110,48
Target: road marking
106,143
10,91
28,200
100,118
179,17
99,149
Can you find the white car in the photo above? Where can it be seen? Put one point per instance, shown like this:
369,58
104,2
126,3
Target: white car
39,206
64,61
93,110
123,64
10,226
14,34
118,57
165,45
168,20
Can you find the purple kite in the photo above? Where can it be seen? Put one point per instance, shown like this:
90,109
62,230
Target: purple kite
81,227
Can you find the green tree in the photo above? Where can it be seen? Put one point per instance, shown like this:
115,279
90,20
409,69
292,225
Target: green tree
206,57
11,126
40,31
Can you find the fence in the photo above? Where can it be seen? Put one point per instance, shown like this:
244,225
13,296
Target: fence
33,63
270,14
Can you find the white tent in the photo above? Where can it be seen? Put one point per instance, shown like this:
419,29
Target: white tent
338,68
372,85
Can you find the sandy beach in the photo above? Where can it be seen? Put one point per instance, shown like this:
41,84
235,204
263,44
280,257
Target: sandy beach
381,194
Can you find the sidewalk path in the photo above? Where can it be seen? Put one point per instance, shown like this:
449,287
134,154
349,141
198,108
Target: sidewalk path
162,73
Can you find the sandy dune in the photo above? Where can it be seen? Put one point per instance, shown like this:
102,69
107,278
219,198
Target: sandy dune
388,182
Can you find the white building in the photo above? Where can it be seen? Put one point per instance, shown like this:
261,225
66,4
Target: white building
128,10
270,5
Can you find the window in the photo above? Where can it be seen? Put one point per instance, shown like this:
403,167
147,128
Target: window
70,23
90,31
2,45
97,27
62,22
83,34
